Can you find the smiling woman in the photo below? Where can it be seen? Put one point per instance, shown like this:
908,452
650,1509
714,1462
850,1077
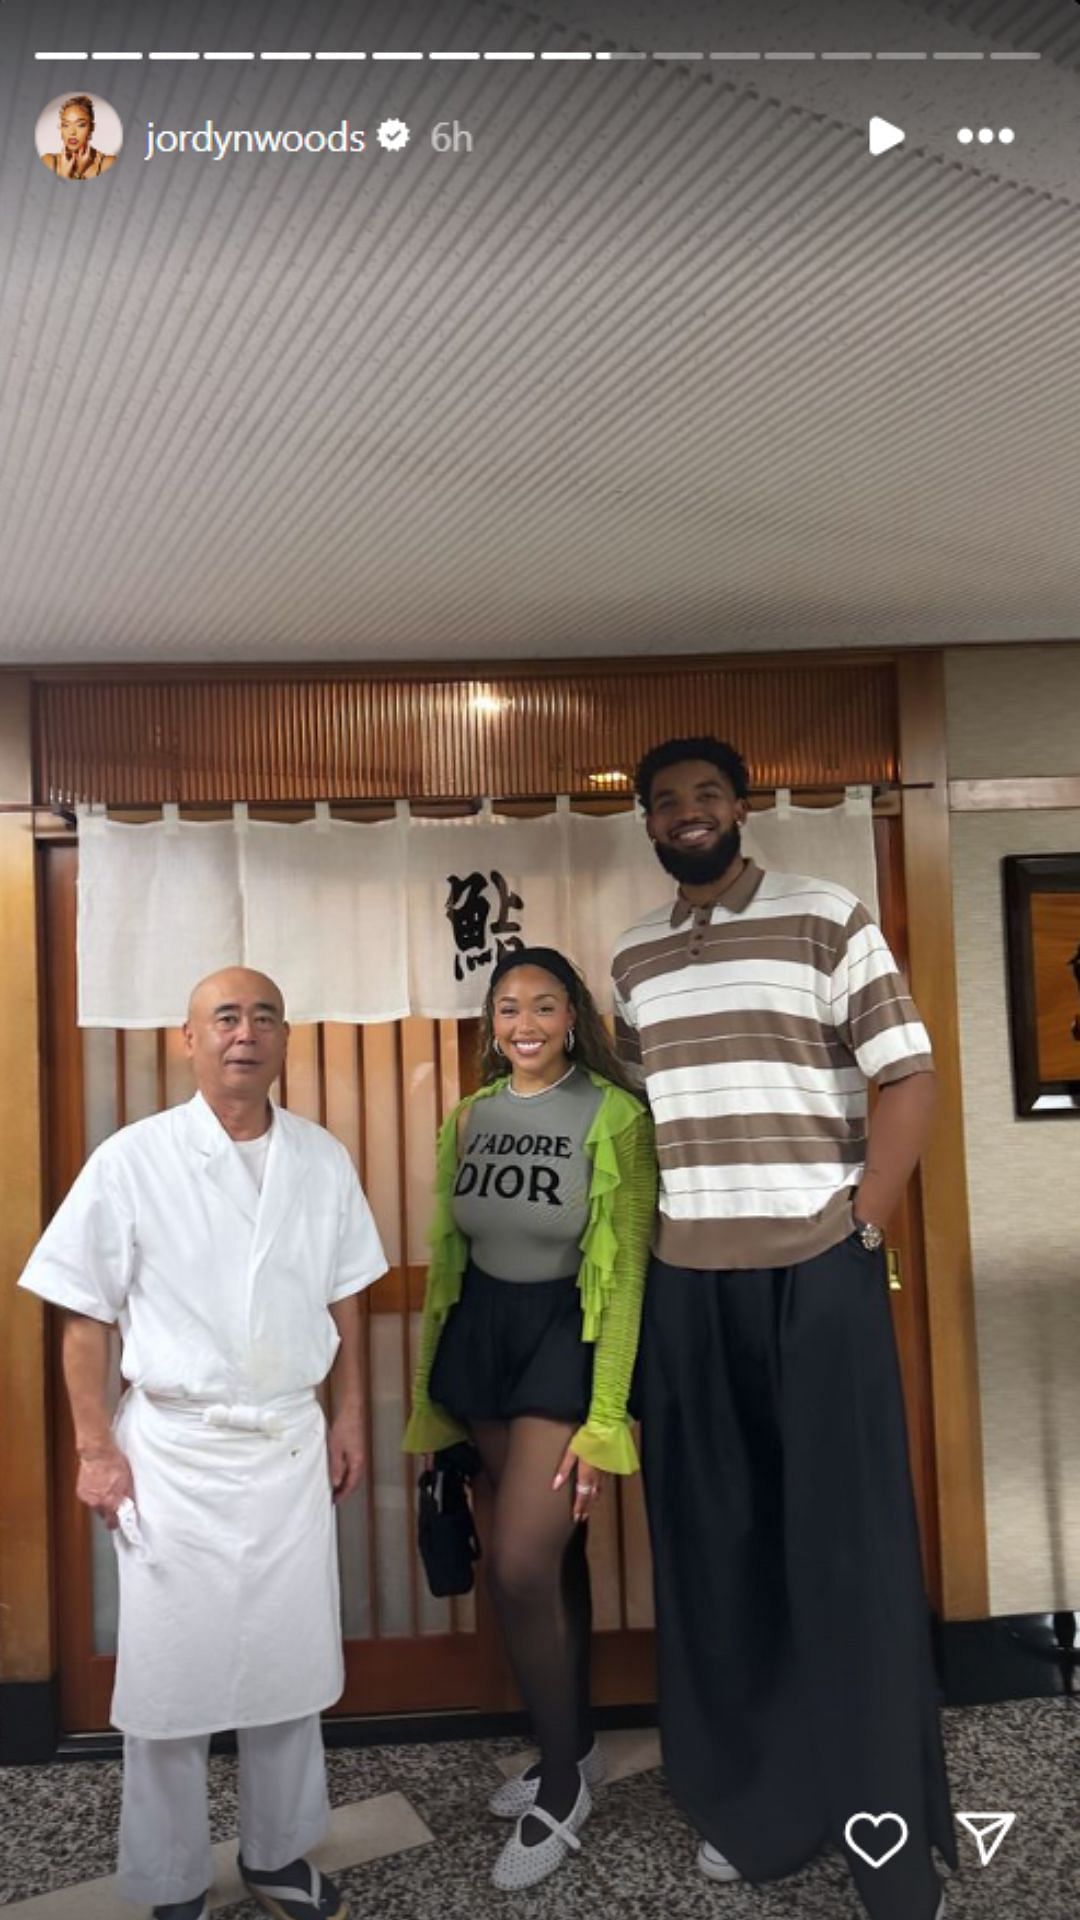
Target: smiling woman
546,1185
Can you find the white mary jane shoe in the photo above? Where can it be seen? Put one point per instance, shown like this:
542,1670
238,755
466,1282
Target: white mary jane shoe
713,1864
518,1795
519,1866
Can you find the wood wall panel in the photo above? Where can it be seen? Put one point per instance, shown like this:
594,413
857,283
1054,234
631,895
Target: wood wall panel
26,1652
139,741
85,1679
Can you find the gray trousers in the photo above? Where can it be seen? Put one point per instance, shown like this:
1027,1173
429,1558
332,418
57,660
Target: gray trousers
165,1852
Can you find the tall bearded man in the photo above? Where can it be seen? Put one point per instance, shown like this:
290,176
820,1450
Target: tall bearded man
797,1702
228,1241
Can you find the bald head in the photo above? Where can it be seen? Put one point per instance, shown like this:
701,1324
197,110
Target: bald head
232,985
236,1035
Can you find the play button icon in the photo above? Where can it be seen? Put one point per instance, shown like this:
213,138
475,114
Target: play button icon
884,135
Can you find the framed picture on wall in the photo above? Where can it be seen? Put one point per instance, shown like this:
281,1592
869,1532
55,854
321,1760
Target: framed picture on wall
1042,936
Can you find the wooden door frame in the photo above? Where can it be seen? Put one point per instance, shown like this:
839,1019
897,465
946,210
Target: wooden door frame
943,1174
27,1645
906,1244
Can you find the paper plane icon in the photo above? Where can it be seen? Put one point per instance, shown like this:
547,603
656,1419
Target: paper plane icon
988,1830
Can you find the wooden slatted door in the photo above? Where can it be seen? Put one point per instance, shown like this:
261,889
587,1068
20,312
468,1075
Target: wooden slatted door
382,1090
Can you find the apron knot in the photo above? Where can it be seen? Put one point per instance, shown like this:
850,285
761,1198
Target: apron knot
243,1419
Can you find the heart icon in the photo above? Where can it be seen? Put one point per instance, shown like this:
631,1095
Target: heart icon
876,1820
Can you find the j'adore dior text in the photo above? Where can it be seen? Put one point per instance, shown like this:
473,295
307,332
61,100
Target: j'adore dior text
487,1169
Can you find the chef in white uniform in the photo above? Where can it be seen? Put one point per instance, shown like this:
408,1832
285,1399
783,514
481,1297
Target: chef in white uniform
228,1240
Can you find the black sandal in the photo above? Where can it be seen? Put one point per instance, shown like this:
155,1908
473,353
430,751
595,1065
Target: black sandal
296,1892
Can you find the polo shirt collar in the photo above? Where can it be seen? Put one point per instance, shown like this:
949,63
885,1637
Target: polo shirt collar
735,900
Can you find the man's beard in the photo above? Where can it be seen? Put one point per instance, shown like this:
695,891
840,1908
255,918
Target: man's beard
700,869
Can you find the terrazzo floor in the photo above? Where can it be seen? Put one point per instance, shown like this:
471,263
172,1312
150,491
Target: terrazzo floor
58,1826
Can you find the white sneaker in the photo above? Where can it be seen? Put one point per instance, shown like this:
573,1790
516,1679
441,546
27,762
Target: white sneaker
520,1866
713,1864
517,1796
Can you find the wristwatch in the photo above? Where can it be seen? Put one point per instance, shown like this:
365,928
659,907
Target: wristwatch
872,1237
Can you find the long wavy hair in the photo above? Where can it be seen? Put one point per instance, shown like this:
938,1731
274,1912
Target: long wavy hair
592,1043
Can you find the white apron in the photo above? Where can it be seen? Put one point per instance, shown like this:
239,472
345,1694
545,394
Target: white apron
229,1611
236,1554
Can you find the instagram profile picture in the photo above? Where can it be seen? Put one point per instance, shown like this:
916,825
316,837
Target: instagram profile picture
78,136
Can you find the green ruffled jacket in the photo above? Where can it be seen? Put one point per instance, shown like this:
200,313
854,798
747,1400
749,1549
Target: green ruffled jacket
611,1278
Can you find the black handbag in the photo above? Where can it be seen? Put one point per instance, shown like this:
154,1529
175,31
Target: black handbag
446,1535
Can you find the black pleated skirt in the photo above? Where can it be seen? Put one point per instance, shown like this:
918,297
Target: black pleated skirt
511,1348
796,1680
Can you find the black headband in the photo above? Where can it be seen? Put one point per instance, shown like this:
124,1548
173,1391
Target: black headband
548,958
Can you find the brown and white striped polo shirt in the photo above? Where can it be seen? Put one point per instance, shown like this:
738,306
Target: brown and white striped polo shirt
755,1026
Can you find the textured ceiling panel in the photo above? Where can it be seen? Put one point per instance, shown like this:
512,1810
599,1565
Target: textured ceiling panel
667,363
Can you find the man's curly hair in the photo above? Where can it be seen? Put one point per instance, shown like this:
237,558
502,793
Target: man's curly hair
725,758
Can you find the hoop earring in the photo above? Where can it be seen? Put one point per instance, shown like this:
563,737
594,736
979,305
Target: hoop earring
495,1048
569,1042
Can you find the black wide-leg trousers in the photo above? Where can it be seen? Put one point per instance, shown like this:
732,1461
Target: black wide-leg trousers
795,1673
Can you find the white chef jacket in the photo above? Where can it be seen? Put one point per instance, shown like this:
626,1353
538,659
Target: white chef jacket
229,1607
219,1291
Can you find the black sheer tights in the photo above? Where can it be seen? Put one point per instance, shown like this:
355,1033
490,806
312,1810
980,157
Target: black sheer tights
539,1579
